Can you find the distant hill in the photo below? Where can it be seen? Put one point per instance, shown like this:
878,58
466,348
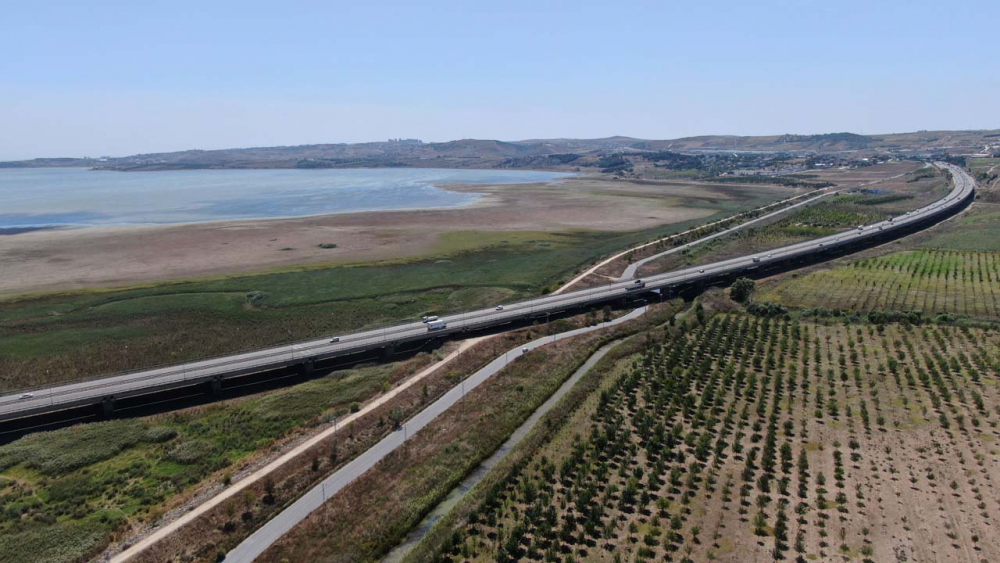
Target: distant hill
532,153
50,163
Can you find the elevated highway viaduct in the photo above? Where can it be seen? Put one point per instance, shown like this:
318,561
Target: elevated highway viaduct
24,408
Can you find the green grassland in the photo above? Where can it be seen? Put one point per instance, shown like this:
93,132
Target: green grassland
66,337
977,231
982,165
63,493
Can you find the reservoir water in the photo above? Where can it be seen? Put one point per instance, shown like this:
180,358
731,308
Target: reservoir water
41,197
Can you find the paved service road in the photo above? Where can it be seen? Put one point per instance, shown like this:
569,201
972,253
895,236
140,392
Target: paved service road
630,271
116,387
632,268
278,526
441,510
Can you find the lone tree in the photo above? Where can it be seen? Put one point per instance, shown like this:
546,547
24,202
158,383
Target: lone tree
742,289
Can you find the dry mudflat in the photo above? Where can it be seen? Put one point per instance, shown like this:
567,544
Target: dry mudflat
71,259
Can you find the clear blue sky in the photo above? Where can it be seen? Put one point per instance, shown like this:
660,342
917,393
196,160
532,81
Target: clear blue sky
114,78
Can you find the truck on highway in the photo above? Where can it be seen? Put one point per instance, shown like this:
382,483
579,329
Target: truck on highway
636,285
436,325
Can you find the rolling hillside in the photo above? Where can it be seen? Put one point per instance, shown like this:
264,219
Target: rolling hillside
533,153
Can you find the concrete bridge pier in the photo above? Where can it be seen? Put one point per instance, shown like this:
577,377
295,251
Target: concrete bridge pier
388,352
306,369
215,385
107,407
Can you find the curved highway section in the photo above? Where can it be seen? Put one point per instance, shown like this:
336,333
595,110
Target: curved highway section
105,391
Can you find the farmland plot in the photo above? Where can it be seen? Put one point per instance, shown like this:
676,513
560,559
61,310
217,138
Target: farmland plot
756,439
928,281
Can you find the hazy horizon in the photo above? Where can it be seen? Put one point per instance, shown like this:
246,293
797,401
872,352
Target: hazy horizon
117,79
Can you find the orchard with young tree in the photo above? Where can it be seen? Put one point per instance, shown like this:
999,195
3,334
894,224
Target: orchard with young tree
750,438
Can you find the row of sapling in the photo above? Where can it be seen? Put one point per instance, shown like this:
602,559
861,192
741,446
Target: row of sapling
734,400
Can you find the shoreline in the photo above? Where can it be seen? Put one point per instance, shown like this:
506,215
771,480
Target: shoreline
16,230
70,259
11,231
482,199
465,188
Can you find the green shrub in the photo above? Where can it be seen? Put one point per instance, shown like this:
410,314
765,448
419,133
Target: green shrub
160,434
60,451
63,542
191,451
71,487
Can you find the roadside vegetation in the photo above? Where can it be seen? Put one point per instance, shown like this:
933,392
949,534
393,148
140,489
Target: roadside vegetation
94,484
834,214
370,516
88,484
224,526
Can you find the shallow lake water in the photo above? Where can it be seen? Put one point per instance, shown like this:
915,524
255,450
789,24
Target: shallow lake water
35,197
